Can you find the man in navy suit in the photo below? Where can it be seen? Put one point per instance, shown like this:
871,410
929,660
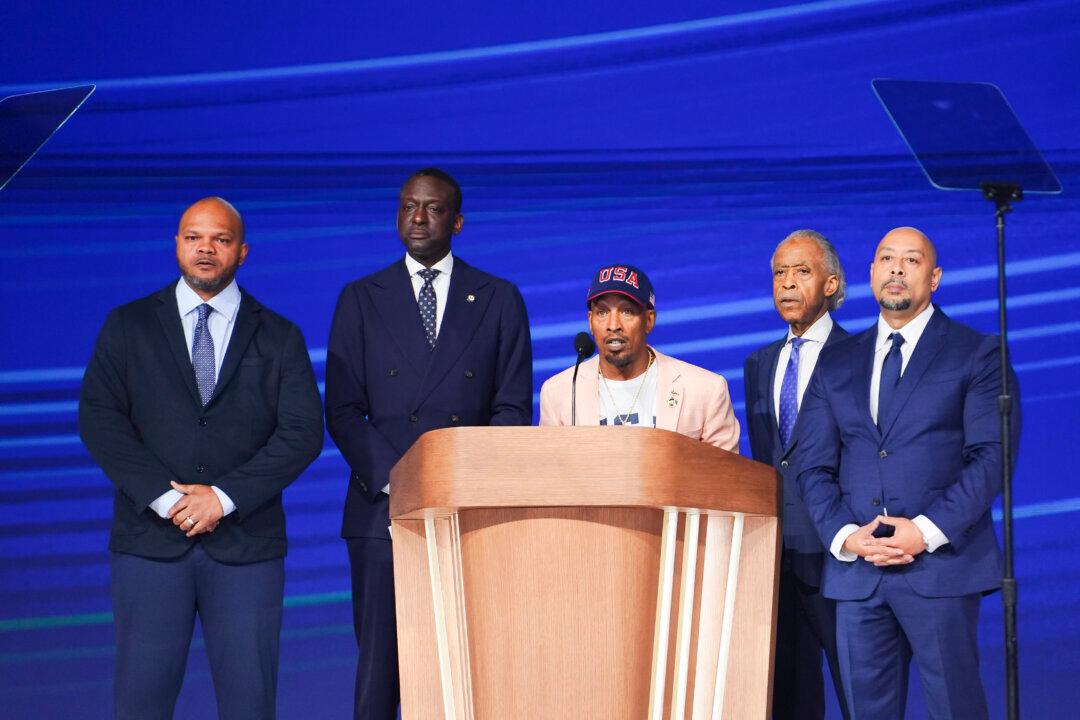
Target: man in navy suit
808,283
428,342
200,405
901,459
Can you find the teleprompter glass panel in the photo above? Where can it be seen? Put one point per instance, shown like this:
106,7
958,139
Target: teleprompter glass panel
965,135
27,122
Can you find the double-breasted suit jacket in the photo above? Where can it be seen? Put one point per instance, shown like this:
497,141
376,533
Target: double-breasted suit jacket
385,386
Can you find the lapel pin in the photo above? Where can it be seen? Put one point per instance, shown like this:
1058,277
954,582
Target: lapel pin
673,399
470,298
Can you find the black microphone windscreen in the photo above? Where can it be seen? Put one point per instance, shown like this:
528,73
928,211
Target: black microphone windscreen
584,345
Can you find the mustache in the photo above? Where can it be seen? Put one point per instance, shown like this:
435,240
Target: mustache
894,281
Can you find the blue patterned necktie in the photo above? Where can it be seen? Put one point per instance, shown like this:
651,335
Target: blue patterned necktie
789,392
890,377
202,355
426,301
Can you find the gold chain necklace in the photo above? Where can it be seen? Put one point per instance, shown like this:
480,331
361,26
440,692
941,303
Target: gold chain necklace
611,398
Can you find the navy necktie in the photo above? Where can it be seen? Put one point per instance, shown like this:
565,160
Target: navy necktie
789,392
202,355
426,301
890,377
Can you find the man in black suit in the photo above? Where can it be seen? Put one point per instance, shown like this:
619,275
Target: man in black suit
808,282
426,343
200,406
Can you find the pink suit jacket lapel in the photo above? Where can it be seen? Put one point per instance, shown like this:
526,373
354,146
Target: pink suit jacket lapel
588,397
670,393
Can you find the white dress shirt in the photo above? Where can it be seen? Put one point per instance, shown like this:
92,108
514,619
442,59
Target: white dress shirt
440,284
815,337
220,323
911,332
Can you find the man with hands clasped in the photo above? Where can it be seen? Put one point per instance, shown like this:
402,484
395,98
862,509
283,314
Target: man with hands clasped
200,405
901,459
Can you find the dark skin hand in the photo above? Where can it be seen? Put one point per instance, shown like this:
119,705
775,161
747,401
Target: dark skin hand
875,550
200,503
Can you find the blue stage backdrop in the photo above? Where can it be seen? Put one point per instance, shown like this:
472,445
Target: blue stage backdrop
686,140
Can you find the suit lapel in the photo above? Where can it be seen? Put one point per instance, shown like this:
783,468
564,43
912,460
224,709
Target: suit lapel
466,304
247,321
670,393
835,334
169,315
930,344
765,387
862,362
392,297
588,392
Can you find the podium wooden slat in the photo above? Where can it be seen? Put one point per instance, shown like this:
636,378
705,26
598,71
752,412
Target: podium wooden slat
541,549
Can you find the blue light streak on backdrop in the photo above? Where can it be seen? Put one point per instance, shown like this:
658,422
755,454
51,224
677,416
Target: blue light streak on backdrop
686,140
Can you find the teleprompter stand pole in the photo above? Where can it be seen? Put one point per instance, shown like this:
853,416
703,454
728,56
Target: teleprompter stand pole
1002,195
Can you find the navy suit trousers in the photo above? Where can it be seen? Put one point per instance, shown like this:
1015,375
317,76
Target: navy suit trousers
239,608
378,692
878,636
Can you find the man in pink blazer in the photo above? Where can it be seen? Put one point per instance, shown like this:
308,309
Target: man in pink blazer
631,383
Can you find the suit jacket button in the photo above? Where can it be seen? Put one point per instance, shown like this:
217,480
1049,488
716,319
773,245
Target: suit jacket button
469,373
199,469
413,418
876,501
883,454
783,463
454,418
202,422
393,372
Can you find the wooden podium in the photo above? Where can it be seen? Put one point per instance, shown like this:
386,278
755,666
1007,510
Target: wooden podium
584,572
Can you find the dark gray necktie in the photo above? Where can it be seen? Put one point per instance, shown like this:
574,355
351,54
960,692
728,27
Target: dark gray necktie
426,301
202,355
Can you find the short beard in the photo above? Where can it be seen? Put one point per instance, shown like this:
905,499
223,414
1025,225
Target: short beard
621,361
209,284
895,305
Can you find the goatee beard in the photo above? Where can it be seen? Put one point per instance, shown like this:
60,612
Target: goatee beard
895,305
620,361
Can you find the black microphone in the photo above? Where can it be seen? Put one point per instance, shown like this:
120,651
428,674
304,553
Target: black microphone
584,345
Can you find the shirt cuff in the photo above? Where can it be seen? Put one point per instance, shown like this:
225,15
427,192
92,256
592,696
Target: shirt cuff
837,547
164,502
931,533
386,488
227,505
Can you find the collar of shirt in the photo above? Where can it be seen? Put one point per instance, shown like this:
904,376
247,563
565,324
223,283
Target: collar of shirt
911,332
818,332
226,302
444,266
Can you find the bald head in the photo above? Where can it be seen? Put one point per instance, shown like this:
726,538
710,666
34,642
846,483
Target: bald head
210,245
910,234
904,274
219,206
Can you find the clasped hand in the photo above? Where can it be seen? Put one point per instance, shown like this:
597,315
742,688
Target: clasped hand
900,549
198,512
